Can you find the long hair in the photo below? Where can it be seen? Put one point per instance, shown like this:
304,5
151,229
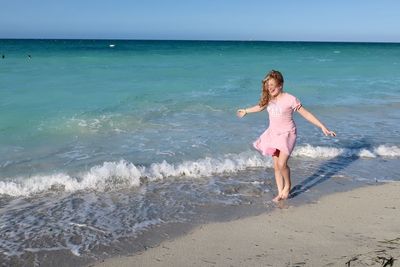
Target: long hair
265,96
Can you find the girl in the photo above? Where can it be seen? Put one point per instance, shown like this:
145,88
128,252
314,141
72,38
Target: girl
280,137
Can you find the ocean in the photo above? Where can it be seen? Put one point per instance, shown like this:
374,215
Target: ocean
103,141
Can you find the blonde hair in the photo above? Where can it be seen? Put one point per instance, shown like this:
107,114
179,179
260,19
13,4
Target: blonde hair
265,96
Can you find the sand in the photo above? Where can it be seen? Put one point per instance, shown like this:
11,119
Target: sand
355,228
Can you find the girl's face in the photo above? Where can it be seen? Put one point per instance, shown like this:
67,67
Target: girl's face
273,87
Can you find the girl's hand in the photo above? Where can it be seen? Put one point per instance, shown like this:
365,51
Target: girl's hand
328,132
241,113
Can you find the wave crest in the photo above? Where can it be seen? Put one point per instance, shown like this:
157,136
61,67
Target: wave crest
331,152
122,174
113,175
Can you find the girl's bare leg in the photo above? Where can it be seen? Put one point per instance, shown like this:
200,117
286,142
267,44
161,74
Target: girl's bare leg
285,172
278,178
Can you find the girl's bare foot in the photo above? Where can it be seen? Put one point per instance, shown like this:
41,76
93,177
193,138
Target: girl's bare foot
284,194
277,198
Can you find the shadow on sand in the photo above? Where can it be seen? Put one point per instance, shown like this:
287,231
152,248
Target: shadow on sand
329,168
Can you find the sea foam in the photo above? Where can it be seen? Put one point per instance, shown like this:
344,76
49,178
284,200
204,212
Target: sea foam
121,174
331,152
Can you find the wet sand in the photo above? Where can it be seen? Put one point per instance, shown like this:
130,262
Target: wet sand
355,228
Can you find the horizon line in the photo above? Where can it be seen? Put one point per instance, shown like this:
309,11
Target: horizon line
204,40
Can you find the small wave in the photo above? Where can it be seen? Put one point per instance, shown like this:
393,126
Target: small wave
331,152
112,175
387,151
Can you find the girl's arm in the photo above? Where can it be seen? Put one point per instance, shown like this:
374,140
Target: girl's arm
242,112
311,118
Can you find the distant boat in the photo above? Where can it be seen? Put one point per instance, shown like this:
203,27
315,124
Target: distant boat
112,45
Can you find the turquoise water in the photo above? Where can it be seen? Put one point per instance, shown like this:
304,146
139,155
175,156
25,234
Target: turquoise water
82,117
78,103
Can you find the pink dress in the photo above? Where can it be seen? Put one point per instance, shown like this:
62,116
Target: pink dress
280,137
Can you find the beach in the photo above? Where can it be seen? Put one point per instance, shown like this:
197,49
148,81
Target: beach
111,146
355,228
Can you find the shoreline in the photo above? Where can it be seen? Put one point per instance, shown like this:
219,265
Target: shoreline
356,227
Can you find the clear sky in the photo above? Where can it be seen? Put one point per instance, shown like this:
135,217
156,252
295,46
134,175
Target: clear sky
279,20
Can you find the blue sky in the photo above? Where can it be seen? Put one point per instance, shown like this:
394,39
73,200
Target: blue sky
294,20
